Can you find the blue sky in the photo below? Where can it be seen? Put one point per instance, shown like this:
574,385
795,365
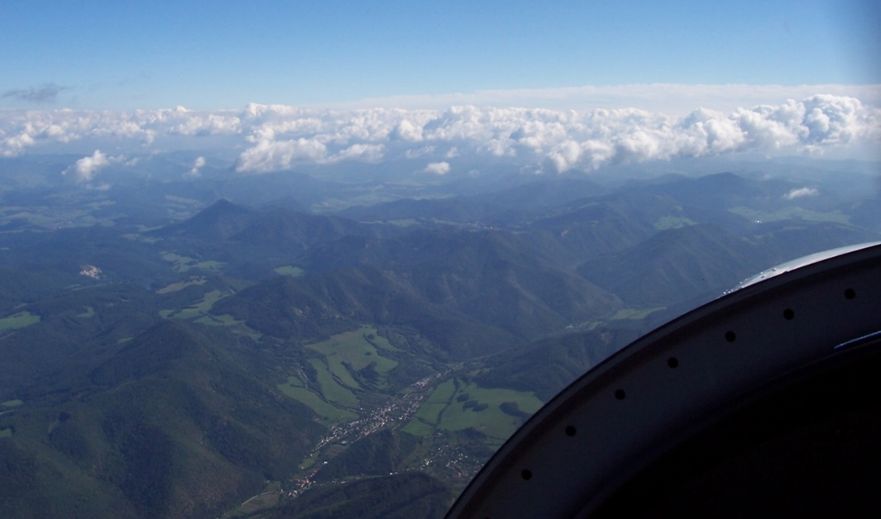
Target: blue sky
207,55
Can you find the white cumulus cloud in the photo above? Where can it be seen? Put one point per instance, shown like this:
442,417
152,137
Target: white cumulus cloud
364,152
801,192
281,137
438,168
196,169
85,169
271,155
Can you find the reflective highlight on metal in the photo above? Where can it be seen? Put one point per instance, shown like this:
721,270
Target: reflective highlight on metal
799,263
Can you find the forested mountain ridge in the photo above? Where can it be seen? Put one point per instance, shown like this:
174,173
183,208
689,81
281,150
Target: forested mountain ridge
203,355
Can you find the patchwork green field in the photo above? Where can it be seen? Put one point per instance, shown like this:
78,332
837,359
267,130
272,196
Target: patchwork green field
198,309
295,388
333,389
354,351
180,285
429,415
267,499
673,222
634,313
185,263
18,321
140,238
792,213
334,393
289,270
457,404
88,313
235,326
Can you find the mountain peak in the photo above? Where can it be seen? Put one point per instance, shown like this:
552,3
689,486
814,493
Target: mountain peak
221,206
220,220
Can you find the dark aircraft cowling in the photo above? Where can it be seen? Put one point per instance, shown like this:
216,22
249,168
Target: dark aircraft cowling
764,401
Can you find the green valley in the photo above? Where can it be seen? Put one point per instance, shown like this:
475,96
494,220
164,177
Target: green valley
458,405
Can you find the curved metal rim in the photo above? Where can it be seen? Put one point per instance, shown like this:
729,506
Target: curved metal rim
545,470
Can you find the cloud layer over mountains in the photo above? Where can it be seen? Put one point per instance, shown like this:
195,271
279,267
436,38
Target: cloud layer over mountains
278,137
